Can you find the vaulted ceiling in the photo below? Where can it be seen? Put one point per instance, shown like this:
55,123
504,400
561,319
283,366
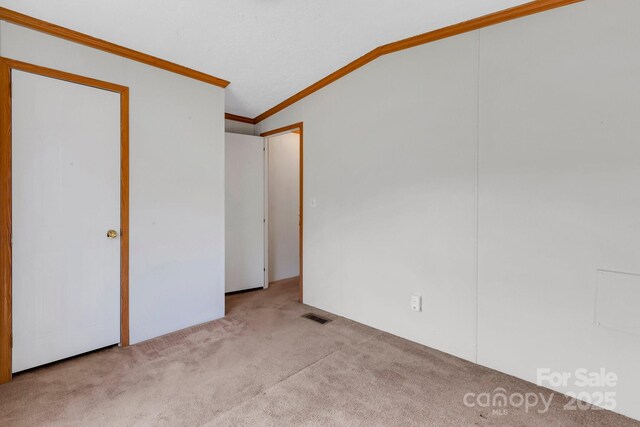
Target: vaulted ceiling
268,49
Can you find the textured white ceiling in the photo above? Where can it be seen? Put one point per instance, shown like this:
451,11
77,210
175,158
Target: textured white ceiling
268,49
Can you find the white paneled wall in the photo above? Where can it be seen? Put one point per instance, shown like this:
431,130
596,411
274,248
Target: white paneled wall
559,193
390,157
493,173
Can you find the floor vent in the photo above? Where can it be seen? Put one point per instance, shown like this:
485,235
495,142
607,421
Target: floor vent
316,318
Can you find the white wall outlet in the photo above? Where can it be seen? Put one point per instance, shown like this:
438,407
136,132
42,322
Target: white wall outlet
416,303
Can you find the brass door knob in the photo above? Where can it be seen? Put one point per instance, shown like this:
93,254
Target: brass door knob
112,234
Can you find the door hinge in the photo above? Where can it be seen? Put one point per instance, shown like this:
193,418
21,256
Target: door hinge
11,339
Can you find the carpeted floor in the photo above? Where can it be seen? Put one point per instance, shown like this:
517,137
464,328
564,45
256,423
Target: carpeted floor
265,365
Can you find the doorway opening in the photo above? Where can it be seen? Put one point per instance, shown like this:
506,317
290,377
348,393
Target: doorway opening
284,206
263,210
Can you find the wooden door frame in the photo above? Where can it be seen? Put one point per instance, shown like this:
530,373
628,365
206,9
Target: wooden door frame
6,66
285,129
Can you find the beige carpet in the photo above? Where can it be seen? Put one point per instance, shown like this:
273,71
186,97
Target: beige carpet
265,365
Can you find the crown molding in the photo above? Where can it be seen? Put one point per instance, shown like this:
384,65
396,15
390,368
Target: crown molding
236,118
526,9
84,39
523,10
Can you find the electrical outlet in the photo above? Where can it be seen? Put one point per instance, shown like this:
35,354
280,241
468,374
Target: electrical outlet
416,303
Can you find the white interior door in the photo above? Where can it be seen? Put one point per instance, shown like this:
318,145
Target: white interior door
66,191
244,220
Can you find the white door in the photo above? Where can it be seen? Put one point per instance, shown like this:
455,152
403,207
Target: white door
66,191
244,230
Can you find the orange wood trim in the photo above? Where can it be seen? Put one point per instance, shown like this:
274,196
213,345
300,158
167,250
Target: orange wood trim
61,75
77,37
301,204
6,65
5,223
237,118
299,129
526,9
295,126
124,217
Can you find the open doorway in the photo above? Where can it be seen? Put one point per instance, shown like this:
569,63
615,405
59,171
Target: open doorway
263,210
283,205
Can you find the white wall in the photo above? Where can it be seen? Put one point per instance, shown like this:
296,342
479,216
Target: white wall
176,181
232,126
284,197
559,189
396,204
493,173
